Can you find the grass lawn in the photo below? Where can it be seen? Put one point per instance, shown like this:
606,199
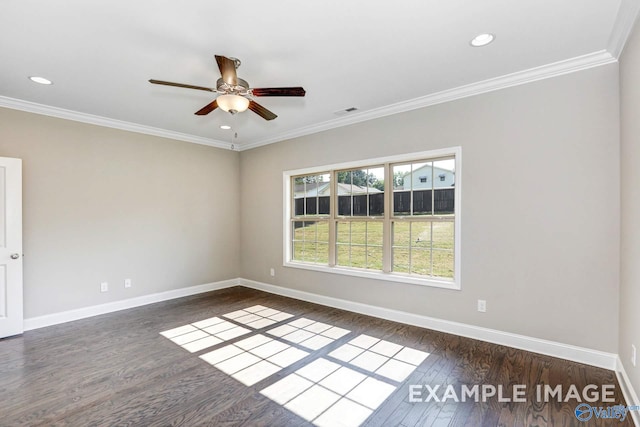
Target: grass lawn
421,248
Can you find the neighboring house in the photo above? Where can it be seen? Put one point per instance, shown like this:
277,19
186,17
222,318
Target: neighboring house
313,198
322,189
429,176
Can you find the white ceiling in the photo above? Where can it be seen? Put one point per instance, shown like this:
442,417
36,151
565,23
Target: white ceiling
381,57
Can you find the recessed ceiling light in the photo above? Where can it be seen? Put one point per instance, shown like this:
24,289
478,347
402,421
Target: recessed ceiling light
482,40
40,80
225,127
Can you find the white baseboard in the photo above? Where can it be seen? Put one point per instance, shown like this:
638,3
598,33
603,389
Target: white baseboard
627,390
536,345
95,310
564,351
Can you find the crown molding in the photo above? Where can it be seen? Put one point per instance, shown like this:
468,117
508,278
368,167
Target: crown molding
579,63
625,20
595,59
61,113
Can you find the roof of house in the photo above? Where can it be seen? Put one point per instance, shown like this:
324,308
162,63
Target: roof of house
428,165
323,189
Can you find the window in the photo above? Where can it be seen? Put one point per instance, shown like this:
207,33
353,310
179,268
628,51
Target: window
310,237
382,218
422,224
360,217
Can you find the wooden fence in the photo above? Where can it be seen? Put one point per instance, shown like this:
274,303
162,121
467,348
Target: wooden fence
443,203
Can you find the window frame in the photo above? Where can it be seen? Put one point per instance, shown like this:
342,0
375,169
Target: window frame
388,218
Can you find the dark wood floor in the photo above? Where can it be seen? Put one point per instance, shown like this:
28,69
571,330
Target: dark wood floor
117,370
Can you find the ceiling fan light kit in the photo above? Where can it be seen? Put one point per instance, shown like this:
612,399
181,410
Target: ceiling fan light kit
235,94
233,103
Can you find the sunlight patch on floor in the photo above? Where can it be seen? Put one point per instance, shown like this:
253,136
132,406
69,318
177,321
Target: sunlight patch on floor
206,333
327,393
309,333
258,316
341,388
385,358
253,359
258,357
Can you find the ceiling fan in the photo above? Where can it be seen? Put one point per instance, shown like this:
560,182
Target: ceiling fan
235,95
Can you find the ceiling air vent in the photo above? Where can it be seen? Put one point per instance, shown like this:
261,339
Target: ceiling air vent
345,111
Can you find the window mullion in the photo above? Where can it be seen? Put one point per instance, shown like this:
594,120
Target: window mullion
366,242
411,192
386,225
410,248
315,243
433,189
431,251
304,198
350,243
333,205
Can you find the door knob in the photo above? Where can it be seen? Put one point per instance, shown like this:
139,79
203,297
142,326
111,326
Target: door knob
15,256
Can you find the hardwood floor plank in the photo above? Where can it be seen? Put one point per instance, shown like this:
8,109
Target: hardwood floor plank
116,369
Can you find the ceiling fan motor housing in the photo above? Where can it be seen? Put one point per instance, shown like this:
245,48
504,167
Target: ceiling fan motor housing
242,88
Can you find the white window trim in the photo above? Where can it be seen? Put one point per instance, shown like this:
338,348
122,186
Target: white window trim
378,275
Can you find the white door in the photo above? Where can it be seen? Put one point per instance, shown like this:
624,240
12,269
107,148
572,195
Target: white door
11,321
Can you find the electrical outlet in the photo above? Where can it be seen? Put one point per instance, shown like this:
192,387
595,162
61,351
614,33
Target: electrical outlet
482,305
104,287
127,283
272,272
633,355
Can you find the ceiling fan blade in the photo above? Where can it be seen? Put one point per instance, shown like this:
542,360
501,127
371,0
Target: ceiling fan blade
278,91
261,111
207,108
227,69
160,82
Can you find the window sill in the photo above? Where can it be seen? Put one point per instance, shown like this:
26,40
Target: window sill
377,275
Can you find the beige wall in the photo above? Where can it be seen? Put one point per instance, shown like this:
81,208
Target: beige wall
630,190
540,219
104,205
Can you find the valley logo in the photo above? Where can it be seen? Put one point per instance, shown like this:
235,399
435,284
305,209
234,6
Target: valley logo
584,412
